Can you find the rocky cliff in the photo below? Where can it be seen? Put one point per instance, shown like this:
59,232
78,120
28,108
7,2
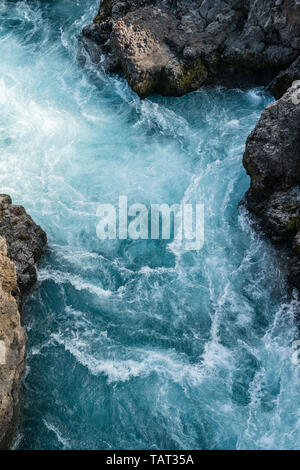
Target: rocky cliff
272,159
22,244
172,47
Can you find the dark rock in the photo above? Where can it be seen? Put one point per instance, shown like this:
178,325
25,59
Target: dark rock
272,160
25,241
285,79
272,156
173,47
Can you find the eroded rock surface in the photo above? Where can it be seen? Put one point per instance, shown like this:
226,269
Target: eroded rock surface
175,46
25,240
12,344
22,244
285,79
272,159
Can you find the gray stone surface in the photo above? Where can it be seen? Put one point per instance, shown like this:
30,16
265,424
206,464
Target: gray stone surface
173,47
272,160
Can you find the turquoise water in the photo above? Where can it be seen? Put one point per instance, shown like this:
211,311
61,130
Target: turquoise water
139,344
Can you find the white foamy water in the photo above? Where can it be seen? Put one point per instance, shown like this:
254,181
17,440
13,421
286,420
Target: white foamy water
139,344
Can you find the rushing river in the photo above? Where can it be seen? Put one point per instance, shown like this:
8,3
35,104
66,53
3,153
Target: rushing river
139,344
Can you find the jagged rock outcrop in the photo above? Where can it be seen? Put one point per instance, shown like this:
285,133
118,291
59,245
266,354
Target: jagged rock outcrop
12,345
22,244
272,159
25,240
285,79
175,46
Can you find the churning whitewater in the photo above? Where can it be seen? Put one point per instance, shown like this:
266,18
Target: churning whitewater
139,344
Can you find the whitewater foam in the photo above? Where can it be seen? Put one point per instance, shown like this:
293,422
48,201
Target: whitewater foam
139,345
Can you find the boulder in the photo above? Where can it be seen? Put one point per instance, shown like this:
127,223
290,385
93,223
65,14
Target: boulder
272,160
22,244
173,47
25,240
